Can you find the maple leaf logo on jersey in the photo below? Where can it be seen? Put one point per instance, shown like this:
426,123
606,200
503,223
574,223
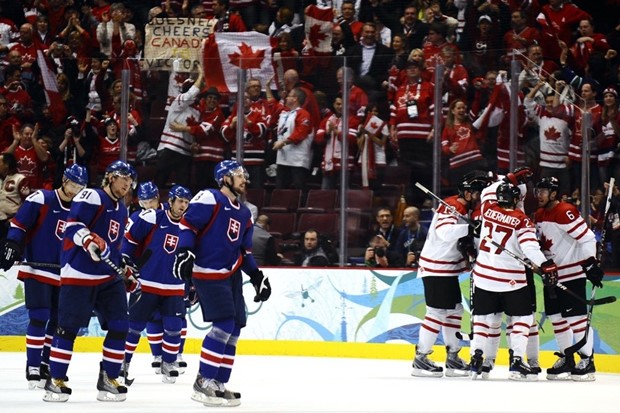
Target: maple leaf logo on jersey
552,134
316,35
191,121
463,133
545,243
27,166
248,58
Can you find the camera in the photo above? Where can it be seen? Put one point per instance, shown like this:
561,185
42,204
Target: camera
379,252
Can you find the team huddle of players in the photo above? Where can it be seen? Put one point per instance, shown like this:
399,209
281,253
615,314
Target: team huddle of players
485,227
82,254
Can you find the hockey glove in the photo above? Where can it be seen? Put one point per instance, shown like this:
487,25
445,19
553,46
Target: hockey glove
521,175
465,245
96,247
10,253
192,296
549,273
594,273
183,264
261,285
131,273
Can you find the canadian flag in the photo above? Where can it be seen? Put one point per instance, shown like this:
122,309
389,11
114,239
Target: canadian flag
225,53
318,42
53,97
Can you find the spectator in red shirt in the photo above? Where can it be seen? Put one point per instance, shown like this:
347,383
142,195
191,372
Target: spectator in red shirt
31,156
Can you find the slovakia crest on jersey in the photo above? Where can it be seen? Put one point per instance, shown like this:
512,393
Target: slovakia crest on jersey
170,243
234,229
60,228
114,230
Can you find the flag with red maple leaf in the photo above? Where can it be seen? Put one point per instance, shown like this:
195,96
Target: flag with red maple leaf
318,43
224,53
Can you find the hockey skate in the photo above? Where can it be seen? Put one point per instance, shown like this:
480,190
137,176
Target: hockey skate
123,375
156,364
455,366
534,365
211,392
56,391
181,364
562,368
521,371
33,376
169,372
424,367
44,374
487,366
110,390
475,364
585,369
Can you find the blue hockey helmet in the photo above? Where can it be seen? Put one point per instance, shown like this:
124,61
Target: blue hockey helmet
228,167
120,168
147,190
179,191
78,174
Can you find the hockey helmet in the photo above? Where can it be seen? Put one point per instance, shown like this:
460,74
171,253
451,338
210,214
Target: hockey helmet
120,168
551,183
147,190
474,181
228,167
179,191
78,174
507,194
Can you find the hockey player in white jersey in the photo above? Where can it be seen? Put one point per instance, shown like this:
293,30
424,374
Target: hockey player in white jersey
566,238
440,265
215,244
500,280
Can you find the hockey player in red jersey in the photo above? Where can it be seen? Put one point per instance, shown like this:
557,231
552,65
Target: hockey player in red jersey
215,244
500,280
441,262
566,238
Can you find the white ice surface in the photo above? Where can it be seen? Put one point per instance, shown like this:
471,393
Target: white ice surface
308,384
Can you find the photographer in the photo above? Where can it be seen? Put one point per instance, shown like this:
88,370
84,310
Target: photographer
412,237
378,254
71,150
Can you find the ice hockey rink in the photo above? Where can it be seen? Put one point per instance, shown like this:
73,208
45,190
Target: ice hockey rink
311,384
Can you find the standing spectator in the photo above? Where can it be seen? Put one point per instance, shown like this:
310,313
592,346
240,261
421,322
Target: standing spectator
174,150
608,141
162,293
358,98
227,20
332,137
30,155
483,48
460,140
535,68
294,142
414,29
436,42
558,20
263,243
36,234
215,244
554,122
411,122
93,238
349,24
372,143
566,238
114,24
440,263
209,146
412,237
520,38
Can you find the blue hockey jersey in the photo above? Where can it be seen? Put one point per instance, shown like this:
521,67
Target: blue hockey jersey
218,231
154,229
96,210
39,225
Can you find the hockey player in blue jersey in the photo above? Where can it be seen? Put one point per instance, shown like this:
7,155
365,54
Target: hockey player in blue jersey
37,230
89,281
215,244
162,293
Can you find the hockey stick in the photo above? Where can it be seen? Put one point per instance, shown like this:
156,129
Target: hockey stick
599,301
449,207
582,342
38,264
